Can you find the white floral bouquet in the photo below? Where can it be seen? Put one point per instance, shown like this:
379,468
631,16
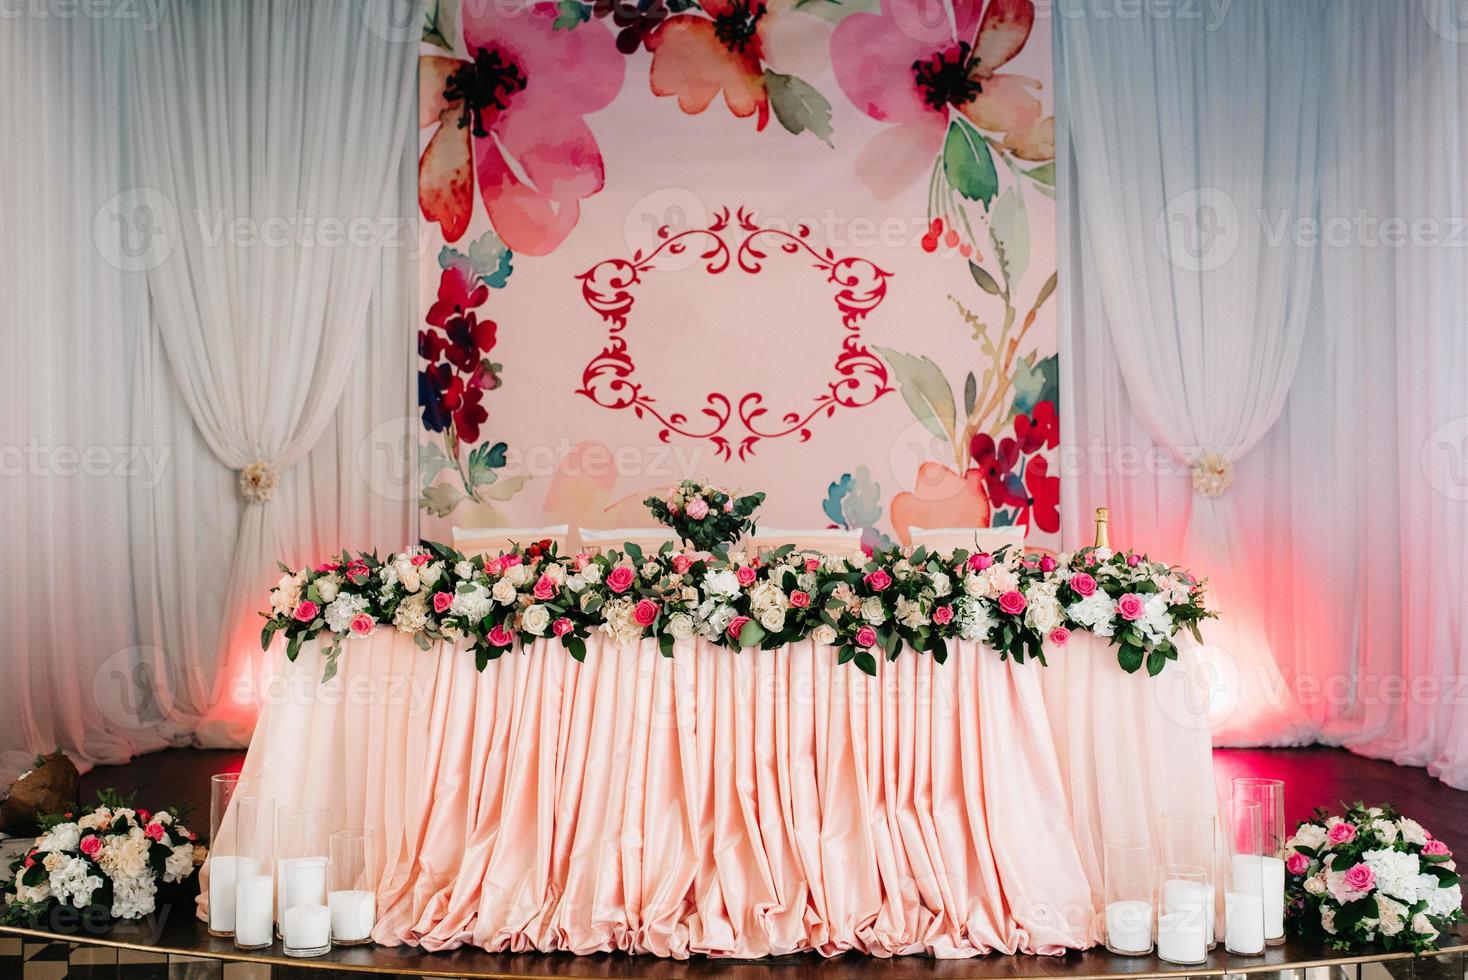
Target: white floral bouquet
1370,876
113,858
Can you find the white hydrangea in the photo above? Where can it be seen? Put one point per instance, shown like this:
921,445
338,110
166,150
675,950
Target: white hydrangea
1398,874
911,614
412,613
342,610
1156,621
473,603
1443,901
123,855
1094,613
721,584
464,569
74,883
618,621
62,837
1391,915
133,897
974,619
180,863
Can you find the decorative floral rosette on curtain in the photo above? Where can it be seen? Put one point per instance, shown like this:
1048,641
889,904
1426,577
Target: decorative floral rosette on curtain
866,607
1371,876
112,859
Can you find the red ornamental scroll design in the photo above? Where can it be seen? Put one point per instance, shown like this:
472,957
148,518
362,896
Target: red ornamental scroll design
859,376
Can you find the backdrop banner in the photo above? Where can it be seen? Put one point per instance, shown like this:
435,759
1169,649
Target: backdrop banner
804,246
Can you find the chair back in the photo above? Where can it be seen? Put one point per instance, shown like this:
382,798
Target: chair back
498,540
822,540
649,539
968,538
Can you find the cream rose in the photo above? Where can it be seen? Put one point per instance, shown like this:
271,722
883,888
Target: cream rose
536,619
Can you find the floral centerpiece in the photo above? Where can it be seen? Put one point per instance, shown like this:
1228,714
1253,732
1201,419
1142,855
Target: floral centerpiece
112,858
707,517
1370,876
866,606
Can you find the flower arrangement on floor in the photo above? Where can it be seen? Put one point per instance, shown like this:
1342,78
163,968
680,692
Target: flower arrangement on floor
865,606
1370,876
707,517
113,859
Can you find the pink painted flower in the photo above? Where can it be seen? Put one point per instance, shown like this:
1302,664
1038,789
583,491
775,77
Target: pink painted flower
562,626
509,118
501,635
1297,863
441,602
1436,848
306,611
917,65
698,508
866,636
943,615
362,624
1012,602
154,831
1083,583
545,588
682,563
1360,878
980,561
645,612
735,626
91,845
746,575
799,599
877,580
1131,606
620,579
1059,636
1341,833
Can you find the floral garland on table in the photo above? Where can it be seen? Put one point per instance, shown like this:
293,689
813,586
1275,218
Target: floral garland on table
866,606
1371,875
112,858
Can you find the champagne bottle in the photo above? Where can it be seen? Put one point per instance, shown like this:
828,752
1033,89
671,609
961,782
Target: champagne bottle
1101,517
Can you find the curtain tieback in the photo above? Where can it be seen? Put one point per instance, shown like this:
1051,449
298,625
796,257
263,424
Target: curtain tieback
1212,474
258,480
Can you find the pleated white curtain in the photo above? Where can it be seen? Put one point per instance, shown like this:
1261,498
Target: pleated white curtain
284,191
1343,565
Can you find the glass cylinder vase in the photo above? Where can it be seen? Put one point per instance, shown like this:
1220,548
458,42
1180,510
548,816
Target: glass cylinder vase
1269,794
254,911
1130,876
353,897
226,864
1191,837
1182,914
304,920
1243,896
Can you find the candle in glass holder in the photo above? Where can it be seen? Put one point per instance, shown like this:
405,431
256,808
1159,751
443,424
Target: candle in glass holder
254,894
353,914
307,930
352,901
254,911
302,882
1182,921
224,871
1244,901
1269,794
1244,915
1129,881
1129,926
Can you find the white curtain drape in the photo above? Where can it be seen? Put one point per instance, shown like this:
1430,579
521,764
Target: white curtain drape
1344,567
262,301
120,520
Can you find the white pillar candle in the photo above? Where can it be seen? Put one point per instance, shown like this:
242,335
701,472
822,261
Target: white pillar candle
306,928
1181,937
353,914
1274,898
224,871
1129,926
1243,923
1178,894
302,882
254,899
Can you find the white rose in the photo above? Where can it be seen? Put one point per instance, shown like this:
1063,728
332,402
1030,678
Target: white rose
592,573
1310,835
504,592
942,584
1043,611
327,587
773,619
1315,884
824,634
680,626
464,569
650,570
1423,926
1412,831
1002,580
517,575
536,619
1386,830
556,572
575,583
431,573
872,611
975,586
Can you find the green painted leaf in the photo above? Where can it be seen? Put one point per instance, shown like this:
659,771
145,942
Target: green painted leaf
798,105
431,461
571,14
925,389
441,499
439,27
1009,230
970,394
986,282
484,459
968,164
1043,174
506,488
1035,381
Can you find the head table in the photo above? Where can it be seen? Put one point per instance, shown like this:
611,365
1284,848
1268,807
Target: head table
729,803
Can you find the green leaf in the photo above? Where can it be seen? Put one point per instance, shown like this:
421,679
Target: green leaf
1043,174
1009,230
1035,381
332,656
968,164
1130,658
665,644
970,394
926,391
293,648
576,647
439,26
986,282
751,634
798,105
1156,660
571,14
866,663
634,551
441,499
506,488
938,647
483,461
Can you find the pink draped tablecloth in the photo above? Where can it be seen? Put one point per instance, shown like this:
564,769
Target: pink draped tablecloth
747,804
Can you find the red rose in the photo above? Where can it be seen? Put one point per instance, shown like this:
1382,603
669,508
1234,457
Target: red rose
501,636
619,579
562,626
306,611
799,599
735,625
877,580
645,612
362,624
1047,564
154,831
1130,606
1012,602
866,636
943,615
441,602
745,574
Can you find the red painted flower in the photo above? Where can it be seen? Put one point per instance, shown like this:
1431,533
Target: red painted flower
509,119
451,386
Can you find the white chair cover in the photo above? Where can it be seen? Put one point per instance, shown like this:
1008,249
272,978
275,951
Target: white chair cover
826,540
968,538
646,538
498,540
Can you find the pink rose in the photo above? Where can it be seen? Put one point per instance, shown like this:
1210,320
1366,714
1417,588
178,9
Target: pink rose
1012,603
866,636
682,563
91,845
306,611
30,859
154,831
1130,606
582,560
1133,561
1059,635
510,560
619,579
545,588
501,636
812,564
799,599
943,615
1436,848
562,626
144,815
1083,584
1360,878
493,567
745,575
698,508
979,562
735,625
1297,863
645,612
877,580
418,561
728,506
441,602
1341,833
327,566
362,624
1047,564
